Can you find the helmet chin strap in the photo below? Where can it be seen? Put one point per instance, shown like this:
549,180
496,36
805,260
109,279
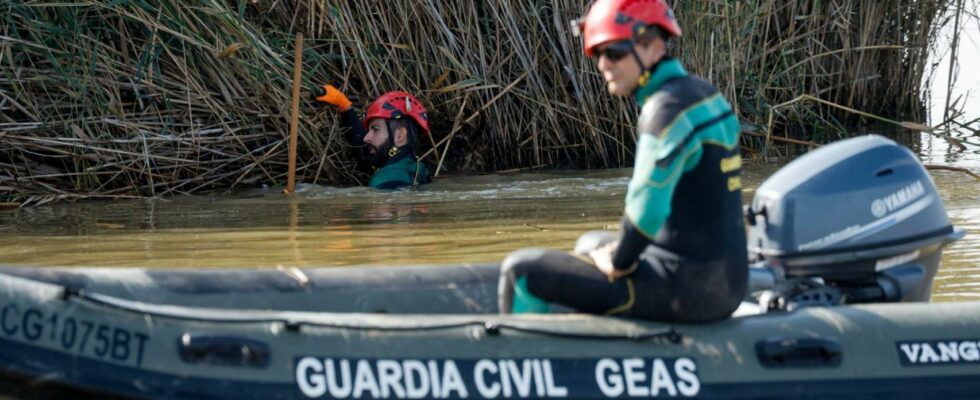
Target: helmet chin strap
391,149
646,72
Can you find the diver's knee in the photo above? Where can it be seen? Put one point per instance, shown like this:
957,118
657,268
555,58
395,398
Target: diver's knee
592,240
518,261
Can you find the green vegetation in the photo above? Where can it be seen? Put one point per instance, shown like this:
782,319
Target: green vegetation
150,98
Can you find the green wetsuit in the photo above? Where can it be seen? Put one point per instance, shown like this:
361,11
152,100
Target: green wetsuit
682,235
405,171
685,194
399,171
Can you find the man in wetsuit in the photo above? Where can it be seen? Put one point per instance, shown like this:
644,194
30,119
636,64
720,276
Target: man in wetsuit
387,138
681,254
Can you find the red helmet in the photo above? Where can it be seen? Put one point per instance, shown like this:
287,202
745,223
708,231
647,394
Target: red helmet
615,20
394,105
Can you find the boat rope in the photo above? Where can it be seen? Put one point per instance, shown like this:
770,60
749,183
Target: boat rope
491,328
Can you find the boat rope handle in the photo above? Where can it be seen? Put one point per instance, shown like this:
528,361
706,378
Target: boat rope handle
292,325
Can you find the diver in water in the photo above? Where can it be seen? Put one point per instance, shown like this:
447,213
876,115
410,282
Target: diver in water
387,138
681,253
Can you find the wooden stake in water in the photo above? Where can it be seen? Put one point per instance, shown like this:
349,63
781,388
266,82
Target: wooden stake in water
294,123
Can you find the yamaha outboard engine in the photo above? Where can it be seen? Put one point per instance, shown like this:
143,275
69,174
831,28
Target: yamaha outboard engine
856,221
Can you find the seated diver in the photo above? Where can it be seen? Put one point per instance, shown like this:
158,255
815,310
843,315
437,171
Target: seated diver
681,253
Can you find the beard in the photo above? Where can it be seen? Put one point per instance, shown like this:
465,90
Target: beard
376,157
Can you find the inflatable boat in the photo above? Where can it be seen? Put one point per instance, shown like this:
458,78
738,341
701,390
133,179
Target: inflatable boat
845,242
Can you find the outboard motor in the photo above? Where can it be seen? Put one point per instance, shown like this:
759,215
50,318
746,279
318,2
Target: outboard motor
856,221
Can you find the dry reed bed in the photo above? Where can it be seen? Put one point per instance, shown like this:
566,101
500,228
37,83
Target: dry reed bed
151,98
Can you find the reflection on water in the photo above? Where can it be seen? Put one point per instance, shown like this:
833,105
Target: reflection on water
959,277
455,220
465,219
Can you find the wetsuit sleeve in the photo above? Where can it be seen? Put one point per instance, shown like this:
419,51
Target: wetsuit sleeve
663,154
648,199
631,244
350,119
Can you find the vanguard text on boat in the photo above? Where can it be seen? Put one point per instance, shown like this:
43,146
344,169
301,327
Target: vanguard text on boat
846,241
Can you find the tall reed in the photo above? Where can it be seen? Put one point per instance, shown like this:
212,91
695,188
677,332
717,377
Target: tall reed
151,98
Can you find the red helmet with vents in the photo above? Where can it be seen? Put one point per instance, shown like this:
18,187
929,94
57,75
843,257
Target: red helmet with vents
395,105
615,20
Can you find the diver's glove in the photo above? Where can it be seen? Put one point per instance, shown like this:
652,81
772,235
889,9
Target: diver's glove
330,95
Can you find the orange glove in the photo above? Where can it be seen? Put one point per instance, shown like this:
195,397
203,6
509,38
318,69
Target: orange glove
330,95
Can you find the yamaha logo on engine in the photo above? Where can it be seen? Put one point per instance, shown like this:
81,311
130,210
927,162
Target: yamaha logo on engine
883,206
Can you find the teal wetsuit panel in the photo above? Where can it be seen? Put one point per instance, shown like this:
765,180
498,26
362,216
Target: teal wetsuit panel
401,173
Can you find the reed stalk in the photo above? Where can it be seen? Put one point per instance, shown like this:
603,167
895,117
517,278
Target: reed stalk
157,98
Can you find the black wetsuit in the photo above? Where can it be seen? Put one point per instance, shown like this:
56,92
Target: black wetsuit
682,232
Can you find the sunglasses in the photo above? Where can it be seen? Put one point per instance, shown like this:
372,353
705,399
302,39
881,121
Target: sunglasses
614,51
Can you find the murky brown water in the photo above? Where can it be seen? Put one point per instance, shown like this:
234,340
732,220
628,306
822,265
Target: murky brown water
462,219
471,219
